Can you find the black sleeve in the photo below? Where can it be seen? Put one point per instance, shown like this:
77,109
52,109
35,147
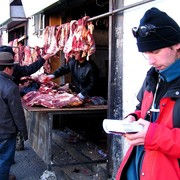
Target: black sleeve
17,111
21,71
65,69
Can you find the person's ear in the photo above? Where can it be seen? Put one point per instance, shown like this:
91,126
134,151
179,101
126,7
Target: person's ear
178,47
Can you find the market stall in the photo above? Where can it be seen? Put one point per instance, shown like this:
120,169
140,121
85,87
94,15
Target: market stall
48,100
40,127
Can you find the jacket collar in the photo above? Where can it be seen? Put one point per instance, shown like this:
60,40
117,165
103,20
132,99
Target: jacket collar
171,72
6,75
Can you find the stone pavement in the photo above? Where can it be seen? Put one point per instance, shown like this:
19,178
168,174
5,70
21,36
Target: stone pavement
29,166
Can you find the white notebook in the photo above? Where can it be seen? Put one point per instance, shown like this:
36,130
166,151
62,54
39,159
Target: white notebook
112,126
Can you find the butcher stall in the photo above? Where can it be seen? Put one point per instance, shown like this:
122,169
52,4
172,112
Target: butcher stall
44,101
41,109
40,130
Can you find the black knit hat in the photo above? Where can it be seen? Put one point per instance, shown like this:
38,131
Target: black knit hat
163,31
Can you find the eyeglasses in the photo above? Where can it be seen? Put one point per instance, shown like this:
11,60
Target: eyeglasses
146,30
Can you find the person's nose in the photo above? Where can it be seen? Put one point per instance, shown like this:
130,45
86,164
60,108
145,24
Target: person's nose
150,57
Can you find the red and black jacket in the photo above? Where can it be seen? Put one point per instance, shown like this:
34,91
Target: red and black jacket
162,141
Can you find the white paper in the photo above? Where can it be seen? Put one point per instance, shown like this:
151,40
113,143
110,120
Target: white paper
112,126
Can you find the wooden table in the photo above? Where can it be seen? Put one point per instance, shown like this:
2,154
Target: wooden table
40,125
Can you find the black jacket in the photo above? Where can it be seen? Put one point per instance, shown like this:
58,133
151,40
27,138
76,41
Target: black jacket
12,118
21,71
84,75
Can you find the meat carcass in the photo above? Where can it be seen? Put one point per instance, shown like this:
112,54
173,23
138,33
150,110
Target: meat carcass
27,56
30,95
50,41
35,53
15,49
69,46
64,99
41,100
52,96
80,39
62,35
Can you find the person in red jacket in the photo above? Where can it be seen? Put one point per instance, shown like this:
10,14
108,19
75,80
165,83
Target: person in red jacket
154,152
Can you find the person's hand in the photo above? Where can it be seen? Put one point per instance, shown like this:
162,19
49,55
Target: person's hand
47,78
130,118
139,137
24,135
47,56
81,97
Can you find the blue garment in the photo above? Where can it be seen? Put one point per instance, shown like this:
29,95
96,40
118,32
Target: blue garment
171,72
135,164
7,152
131,171
167,75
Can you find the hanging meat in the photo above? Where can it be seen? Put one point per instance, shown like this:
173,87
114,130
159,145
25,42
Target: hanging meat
90,40
70,38
21,53
68,48
35,53
62,35
81,39
27,56
14,45
50,41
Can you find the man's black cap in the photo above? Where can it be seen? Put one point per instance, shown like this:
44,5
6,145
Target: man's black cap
7,49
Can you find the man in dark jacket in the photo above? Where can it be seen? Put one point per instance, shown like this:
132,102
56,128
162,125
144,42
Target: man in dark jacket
84,75
12,119
21,71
